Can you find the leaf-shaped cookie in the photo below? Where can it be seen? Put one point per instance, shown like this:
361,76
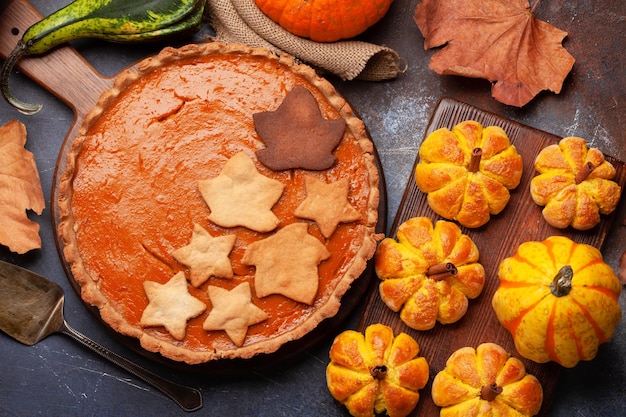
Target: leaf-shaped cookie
287,263
20,190
500,41
242,196
297,135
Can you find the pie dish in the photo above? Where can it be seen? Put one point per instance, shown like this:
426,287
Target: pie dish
157,187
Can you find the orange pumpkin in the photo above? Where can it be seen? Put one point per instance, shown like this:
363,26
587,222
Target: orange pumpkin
325,20
558,299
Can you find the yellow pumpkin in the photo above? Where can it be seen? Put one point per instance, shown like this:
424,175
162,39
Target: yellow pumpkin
486,381
377,372
558,299
325,20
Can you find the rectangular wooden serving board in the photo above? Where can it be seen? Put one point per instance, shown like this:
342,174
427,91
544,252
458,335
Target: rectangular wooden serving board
520,221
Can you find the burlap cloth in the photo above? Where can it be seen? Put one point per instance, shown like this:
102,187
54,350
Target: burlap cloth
241,21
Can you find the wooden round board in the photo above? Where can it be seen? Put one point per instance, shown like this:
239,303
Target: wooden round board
73,80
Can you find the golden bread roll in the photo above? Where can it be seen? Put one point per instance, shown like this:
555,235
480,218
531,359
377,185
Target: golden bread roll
487,379
429,273
574,184
468,171
376,373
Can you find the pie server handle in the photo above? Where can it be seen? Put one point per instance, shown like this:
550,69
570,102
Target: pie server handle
189,399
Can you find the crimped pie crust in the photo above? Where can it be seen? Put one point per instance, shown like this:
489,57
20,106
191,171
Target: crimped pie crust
91,283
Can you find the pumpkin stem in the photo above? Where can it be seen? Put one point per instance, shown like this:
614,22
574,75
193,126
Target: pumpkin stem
584,172
441,271
20,51
490,392
474,163
379,372
562,283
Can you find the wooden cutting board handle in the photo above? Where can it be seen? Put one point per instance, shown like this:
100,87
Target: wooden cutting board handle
62,71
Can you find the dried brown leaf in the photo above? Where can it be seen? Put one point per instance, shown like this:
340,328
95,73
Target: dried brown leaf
498,40
20,190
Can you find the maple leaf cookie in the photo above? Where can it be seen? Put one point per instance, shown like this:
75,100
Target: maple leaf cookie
297,135
241,196
327,204
286,263
171,305
233,312
206,256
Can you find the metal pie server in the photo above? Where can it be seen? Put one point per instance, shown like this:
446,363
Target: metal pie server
31,308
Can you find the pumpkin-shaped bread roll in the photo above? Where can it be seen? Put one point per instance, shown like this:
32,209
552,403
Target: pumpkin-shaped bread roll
468,171
574,184
429,273
486,381
376,373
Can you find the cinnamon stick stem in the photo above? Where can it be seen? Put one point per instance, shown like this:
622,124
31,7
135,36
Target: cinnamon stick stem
441,271
379,372
474,163
584,172
490,392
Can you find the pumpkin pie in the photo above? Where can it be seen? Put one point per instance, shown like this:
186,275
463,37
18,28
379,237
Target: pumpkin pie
166,180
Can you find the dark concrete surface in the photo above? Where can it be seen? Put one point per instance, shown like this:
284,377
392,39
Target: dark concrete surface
58,377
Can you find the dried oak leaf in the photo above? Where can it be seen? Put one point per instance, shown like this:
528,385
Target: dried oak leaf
500,41
20,190
297,135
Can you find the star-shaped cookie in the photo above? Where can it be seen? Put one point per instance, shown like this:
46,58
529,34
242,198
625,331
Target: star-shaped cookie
286,263
206,256
297,135
171,305
241,196
327,204
233,312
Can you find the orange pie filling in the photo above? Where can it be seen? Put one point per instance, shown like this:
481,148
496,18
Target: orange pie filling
130,197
